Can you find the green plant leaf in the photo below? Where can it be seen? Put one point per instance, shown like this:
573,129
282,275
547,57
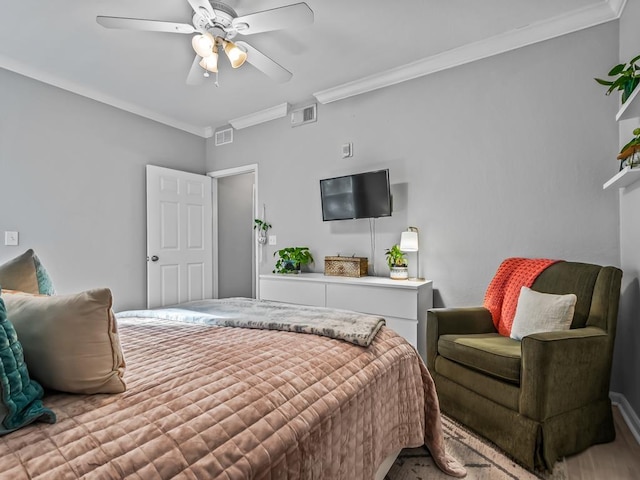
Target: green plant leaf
603,82
617,69
619,83
634,60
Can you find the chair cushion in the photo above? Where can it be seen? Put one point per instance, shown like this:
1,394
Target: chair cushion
490,353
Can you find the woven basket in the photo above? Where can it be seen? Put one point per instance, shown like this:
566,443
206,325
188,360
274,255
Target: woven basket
346,266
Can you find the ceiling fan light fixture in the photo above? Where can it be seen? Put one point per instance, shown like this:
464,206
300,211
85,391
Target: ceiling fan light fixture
210,63
203,44
236,55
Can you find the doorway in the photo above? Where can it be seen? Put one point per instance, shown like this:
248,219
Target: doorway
234,208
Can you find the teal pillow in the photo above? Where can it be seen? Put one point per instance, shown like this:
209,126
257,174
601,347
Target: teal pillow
20,397
45,284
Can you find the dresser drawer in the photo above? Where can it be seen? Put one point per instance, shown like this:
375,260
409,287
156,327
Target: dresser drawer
405,328
301,293
383,301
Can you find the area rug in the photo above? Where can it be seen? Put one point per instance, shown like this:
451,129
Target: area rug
482,460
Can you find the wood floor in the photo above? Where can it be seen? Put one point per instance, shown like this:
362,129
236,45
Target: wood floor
618,460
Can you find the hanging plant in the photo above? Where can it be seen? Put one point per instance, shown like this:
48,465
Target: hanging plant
627,78
262,227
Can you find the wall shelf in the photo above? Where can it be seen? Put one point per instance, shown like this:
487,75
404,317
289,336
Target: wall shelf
629,109
623,178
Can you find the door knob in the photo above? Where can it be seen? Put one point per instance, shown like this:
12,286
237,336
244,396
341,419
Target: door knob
154,258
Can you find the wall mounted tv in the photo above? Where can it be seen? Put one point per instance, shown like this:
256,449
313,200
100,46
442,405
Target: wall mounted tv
362,195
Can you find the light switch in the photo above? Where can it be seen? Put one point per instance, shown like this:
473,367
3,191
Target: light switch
11,238
272,240
347,150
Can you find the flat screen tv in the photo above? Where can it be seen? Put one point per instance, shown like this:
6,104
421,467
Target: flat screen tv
362,195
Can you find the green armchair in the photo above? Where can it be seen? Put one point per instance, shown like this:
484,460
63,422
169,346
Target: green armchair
541,398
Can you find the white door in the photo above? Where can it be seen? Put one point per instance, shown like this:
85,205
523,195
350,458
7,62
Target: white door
179,231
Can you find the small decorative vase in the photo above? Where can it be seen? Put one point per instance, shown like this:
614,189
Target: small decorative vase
291,268
399,273
634,160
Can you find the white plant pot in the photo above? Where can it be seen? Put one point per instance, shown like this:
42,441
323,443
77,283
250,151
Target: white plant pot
399,273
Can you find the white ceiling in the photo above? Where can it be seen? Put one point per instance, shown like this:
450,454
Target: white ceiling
60,43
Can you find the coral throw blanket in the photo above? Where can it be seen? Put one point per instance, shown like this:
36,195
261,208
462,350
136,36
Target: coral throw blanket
502,294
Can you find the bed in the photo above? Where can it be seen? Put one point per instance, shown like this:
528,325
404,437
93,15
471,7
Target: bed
205,401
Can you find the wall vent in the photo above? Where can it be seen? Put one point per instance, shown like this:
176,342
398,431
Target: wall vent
224,136
304,115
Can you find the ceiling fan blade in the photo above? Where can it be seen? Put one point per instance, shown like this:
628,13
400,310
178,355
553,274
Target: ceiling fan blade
196,73
296,15
203,7
144,25
265,64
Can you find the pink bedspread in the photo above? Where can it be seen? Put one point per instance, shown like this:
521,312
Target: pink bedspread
231,403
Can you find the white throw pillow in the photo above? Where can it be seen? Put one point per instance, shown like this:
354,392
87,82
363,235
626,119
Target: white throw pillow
542,312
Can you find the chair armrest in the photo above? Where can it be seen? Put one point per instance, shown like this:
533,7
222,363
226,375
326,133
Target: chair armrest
564,370
445,321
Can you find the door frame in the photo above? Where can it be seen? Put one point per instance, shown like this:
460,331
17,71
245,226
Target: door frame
228,172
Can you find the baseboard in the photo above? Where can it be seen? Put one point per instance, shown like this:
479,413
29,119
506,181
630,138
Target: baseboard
630,417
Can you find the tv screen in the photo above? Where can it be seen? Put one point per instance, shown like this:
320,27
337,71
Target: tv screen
362,195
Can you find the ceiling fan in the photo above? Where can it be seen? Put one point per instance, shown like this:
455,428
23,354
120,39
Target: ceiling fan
215,25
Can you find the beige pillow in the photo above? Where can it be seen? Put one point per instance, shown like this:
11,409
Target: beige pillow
26,274
20,273
542,312
70,342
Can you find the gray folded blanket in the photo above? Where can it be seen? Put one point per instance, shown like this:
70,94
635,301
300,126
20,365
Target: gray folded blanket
353,327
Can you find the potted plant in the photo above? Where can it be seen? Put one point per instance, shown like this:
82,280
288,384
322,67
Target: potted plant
398,268
628,77
630,154
262,228
291,259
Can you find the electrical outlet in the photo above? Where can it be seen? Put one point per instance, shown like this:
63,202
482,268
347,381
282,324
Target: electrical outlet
11,238
272,240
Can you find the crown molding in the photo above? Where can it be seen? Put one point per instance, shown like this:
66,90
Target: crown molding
521,37
262,116
44,77
617,6
603,12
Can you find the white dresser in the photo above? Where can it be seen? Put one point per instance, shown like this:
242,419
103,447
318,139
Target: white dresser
403,303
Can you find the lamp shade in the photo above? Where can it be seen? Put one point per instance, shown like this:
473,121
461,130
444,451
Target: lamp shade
236,55
210,63
409,241
203,44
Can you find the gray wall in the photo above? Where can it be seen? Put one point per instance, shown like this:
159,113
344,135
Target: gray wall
72,182
627,358
235,236
501,157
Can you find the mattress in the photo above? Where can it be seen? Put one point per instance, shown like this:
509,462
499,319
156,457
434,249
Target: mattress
211,402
